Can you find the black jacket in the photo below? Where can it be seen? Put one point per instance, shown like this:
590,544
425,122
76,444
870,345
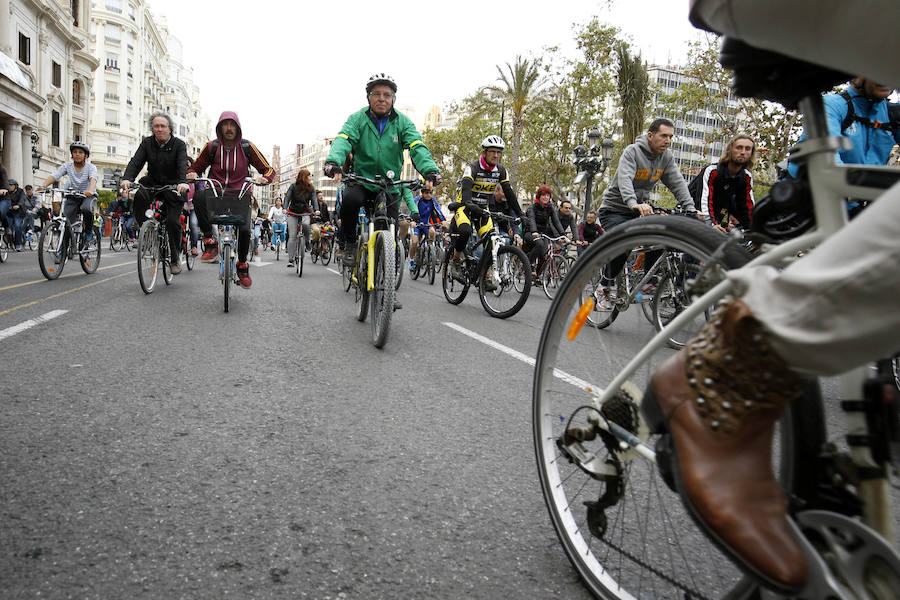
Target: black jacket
298,203
166,164
543,219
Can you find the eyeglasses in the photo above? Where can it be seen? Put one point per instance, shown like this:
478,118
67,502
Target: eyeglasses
387,95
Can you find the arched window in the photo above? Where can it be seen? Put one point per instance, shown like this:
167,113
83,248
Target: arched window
76,92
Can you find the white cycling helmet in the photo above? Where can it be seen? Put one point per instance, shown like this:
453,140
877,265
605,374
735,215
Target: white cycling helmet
380,79
493,141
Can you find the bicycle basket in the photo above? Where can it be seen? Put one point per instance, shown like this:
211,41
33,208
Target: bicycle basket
228,209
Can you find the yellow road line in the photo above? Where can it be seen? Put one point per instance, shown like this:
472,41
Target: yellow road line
38,301
45,280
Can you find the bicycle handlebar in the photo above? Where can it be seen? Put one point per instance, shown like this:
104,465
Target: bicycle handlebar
385,184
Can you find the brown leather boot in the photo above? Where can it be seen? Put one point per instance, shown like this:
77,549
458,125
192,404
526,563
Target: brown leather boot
720,398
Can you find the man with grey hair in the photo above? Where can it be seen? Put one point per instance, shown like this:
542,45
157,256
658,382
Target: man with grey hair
166,158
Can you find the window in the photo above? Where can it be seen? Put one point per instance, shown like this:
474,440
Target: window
112,63
54,128
110,146
57,74
76,92
73,4
113,33
112,118
114,6
76,132
24,49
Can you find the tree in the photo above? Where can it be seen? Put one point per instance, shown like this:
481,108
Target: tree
520,82
634,92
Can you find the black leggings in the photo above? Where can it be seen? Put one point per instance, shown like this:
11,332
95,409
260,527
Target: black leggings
173,204
356,197
206,227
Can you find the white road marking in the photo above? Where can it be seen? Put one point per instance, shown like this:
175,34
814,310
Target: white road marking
332,270
11,331
559,374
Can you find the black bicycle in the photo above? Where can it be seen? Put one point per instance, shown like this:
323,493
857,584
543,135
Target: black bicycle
62,240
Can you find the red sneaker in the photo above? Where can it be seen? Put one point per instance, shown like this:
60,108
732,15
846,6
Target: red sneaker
194,252
211,252
243,273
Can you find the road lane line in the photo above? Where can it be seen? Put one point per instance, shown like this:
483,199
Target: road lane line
39,300
44,279
559,374
332,270
11,331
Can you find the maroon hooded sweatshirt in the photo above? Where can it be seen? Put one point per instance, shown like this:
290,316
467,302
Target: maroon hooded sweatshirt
230,166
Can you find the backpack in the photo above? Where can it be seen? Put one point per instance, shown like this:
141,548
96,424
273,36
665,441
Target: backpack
695,187
245,147
893,124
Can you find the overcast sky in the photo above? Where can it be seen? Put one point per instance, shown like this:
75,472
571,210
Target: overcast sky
294,71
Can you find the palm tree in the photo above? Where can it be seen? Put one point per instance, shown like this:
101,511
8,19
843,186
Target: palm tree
520,82
634,92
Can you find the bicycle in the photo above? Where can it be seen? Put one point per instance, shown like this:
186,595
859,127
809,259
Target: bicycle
5,243
189,258
300,250
605,474
502,273
61,241
555,265
118,237
374,274
153,251
425,259
322,248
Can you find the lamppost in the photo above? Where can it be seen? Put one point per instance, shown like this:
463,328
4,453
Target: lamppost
591,162
35,154
117,177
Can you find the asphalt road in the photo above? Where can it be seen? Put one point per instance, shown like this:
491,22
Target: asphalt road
157,447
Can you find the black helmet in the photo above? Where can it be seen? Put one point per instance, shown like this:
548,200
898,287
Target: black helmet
381,79
78,144
12,182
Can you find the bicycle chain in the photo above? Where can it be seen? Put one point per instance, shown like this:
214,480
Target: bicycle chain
691,593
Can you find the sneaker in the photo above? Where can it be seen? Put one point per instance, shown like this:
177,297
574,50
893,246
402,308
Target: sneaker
256,252
175,266
412,265
489,285
211,252
349,257
194,251
18,248
243,273
456,270
397,304
290,265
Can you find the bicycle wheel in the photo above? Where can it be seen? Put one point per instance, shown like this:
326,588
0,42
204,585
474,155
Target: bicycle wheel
148,255
298,260
400,255
189,258
90,256
326,252
672,297
51,255
115,239
314,251
455,290
383,293
126,241
362,290
165,255
4,246
623,529
554,273
227,275
346,277
431,264
497,288
278,250
420,258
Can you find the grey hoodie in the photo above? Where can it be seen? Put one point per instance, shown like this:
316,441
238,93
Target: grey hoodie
639,170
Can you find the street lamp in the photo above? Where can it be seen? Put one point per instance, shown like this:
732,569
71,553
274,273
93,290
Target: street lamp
591,162
117,177
35,154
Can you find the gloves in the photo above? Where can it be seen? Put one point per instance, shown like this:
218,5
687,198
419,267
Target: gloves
414,217
434,177
331,169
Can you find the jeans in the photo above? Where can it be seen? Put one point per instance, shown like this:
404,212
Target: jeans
21,224
278,231
292,224
5,205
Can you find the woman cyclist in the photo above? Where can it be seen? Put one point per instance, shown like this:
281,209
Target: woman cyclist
278,218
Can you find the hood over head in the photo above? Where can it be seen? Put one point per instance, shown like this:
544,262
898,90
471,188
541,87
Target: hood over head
228,114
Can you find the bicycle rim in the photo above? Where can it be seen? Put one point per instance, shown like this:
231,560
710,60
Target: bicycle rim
507,298
226,268
454,290
382,298
189,258
115,240
147,256
90,256
50,257
671,298
554,274
430,261
326,254
624,530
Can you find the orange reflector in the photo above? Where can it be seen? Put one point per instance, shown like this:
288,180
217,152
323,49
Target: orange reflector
580,318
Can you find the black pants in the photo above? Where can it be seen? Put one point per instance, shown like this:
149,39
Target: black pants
537,248
206,228
357,197
173,205
73,206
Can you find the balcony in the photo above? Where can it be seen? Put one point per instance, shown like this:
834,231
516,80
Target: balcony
114,97
111,124
113,40
112,69
114,9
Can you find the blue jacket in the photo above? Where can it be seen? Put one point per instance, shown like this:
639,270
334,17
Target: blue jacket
870,146
427,208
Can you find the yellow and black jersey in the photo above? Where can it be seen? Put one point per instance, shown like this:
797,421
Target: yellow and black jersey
478,183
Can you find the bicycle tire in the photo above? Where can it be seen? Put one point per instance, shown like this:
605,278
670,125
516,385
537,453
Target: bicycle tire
165,255
4,246
506,300
278,250
670,300
189,258
301,251
314,252
553,275
148,256
90,256
327,248
51,258
454,290
400,255
362,290
126,242
658,552
417,268
383,292
431,263
227,274
346,275
115,239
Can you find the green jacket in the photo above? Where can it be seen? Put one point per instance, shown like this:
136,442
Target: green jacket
375,154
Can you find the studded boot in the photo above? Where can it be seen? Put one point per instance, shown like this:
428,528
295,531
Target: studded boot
720,398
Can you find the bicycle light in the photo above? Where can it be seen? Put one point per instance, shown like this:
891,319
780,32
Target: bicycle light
148,213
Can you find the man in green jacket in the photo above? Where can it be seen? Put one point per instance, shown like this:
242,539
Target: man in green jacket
377,135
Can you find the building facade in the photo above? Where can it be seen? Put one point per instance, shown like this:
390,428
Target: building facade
46,72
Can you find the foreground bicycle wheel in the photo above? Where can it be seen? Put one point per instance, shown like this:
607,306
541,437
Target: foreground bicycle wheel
227,273
148,256
622,527
90,256
51,256
500,295
383,293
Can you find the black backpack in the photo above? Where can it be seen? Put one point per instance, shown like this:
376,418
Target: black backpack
695,187
245,147
893,124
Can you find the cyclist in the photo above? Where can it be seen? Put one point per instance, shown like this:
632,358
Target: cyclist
500,204
541,218
82,177
589,231
228,159
480,179
567,221
377,135
20,205
166,158
278,218
430,216
257,218
300,202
